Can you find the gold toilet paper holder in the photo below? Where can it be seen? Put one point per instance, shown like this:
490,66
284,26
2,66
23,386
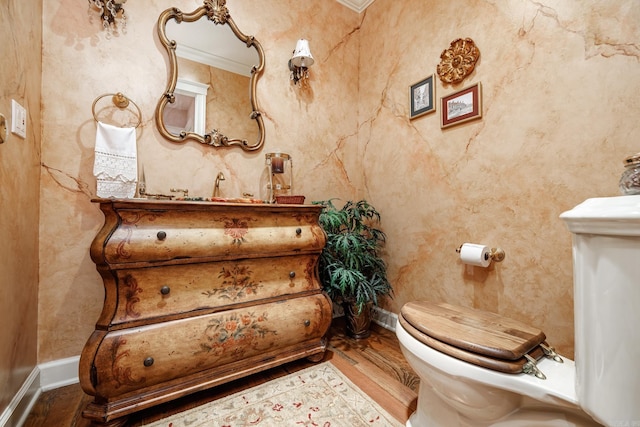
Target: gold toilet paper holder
496,254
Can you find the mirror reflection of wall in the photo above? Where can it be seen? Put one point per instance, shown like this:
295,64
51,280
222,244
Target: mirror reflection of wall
228,106
188,112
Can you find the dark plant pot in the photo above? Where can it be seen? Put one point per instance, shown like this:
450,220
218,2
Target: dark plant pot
357,324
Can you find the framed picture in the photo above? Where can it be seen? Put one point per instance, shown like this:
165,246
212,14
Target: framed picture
421,97
461,106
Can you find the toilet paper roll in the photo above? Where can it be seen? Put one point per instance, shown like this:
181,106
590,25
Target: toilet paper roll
473,254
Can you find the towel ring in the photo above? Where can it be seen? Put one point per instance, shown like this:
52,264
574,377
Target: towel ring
120,101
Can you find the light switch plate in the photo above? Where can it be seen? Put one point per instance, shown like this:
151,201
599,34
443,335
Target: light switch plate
18,119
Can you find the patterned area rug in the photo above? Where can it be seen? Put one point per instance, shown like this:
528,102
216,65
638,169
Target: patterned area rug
317,396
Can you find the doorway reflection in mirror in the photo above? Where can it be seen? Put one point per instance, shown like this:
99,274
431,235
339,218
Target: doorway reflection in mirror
188,112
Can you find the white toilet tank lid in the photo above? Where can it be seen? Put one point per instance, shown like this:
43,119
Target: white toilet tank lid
615,216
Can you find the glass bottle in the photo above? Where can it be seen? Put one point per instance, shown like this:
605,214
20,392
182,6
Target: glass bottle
630,179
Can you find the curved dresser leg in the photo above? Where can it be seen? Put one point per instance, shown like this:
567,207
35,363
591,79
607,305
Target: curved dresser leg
315,358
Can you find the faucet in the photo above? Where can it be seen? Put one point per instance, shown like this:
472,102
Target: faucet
216,186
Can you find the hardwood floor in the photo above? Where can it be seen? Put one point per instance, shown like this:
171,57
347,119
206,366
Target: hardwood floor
374,364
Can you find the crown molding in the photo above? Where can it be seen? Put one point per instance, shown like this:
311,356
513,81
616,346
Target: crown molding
213,60
357,5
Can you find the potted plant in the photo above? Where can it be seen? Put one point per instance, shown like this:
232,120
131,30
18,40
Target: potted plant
351,268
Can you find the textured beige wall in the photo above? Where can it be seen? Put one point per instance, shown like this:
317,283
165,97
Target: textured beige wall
20,73
560,87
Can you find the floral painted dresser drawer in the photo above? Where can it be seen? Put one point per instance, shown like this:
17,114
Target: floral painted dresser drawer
204,346
174,291
198,294
166,233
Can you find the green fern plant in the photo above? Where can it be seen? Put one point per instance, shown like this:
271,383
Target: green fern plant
351,267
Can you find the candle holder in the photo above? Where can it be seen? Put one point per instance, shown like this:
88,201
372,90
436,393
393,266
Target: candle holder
279,169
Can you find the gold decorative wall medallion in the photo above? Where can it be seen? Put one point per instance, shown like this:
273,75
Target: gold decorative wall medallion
458,61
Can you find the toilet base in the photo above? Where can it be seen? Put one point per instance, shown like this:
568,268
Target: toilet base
433,412
454,393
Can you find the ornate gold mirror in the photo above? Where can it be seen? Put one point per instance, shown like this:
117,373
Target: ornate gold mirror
212,67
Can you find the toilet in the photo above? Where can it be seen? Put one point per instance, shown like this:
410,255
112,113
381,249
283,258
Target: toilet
480,369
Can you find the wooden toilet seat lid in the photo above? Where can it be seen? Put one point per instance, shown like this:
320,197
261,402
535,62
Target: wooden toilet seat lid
476,336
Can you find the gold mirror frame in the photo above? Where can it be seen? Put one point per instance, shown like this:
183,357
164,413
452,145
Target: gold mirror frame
217,12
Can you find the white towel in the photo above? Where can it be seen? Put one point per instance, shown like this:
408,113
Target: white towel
116,163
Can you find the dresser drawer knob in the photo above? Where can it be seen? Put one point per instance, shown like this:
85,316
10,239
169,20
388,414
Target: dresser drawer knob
298,231
165,290
292,274
161,235
307,322
148,361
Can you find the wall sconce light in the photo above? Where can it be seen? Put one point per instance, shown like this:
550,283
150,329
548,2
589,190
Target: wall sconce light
111,12
301,61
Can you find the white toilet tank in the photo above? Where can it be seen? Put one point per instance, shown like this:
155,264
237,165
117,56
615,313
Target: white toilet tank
606,264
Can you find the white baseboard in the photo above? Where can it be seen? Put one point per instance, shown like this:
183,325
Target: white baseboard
43,377
59,373
16,413
384,318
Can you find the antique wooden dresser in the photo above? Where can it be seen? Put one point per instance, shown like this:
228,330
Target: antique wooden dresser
198,294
